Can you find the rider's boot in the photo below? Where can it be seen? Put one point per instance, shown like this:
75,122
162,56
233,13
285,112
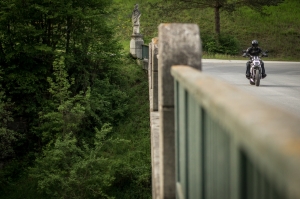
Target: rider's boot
263,71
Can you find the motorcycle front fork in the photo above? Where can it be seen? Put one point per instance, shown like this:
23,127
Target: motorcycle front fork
253,72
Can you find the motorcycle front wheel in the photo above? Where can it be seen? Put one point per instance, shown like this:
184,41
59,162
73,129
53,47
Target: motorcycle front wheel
257,78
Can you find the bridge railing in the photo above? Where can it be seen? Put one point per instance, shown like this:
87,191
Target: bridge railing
210,139
230,144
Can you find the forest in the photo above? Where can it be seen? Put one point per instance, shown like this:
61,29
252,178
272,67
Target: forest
74,107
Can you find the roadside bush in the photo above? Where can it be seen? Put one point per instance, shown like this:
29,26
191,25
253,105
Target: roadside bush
68,171
220,44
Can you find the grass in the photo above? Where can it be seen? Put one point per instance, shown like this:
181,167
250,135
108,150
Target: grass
278,31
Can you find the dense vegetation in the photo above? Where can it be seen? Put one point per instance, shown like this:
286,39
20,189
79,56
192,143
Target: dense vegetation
277,28
74,105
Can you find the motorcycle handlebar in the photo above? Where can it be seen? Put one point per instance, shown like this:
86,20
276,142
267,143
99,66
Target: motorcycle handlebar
264,54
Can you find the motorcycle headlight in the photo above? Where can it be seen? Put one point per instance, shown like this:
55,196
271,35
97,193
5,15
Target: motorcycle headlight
256,63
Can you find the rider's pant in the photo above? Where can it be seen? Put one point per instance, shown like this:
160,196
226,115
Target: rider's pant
248,67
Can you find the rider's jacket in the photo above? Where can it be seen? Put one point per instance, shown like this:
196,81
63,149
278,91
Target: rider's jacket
254,51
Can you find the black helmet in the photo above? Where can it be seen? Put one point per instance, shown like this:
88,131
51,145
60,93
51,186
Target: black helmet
254,43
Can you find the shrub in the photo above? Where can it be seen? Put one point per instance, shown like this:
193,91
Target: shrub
220,44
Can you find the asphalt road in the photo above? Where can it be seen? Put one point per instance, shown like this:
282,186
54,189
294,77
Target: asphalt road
281,87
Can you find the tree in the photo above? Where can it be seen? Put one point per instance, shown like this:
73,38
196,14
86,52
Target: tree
60,61
68,171
65,112
8,137
31,34
218,5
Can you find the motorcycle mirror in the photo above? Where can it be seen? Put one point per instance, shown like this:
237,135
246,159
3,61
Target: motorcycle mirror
266,51
243,51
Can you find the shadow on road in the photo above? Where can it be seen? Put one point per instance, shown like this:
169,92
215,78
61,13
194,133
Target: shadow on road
283,86
274,86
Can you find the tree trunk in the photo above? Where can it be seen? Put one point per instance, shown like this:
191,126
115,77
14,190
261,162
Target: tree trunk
217,19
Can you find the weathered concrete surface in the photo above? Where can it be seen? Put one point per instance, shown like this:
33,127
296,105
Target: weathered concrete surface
267,134
154,73
178,44
145,64
136,43
154,122
154,127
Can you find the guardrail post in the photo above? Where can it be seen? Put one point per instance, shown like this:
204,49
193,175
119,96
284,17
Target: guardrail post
178,44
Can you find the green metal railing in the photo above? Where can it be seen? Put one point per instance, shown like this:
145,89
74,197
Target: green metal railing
230,145
145,51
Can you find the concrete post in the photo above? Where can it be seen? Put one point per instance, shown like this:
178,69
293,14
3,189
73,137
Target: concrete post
150,66
136,43
150,77
154,83
178,44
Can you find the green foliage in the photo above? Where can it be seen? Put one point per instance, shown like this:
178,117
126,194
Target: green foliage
67,77
68,171
8,137
32,32
172,7
65,112
62,72
110,105
133,176
68,122
127,167
220,44
274,29
31,35
277,30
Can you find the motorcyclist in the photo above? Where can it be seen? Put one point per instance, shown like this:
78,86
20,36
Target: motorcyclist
254,50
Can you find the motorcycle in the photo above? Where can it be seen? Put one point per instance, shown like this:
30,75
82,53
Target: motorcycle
255,67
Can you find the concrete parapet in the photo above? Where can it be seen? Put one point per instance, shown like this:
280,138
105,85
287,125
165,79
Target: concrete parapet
178,44
262,141
154,122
